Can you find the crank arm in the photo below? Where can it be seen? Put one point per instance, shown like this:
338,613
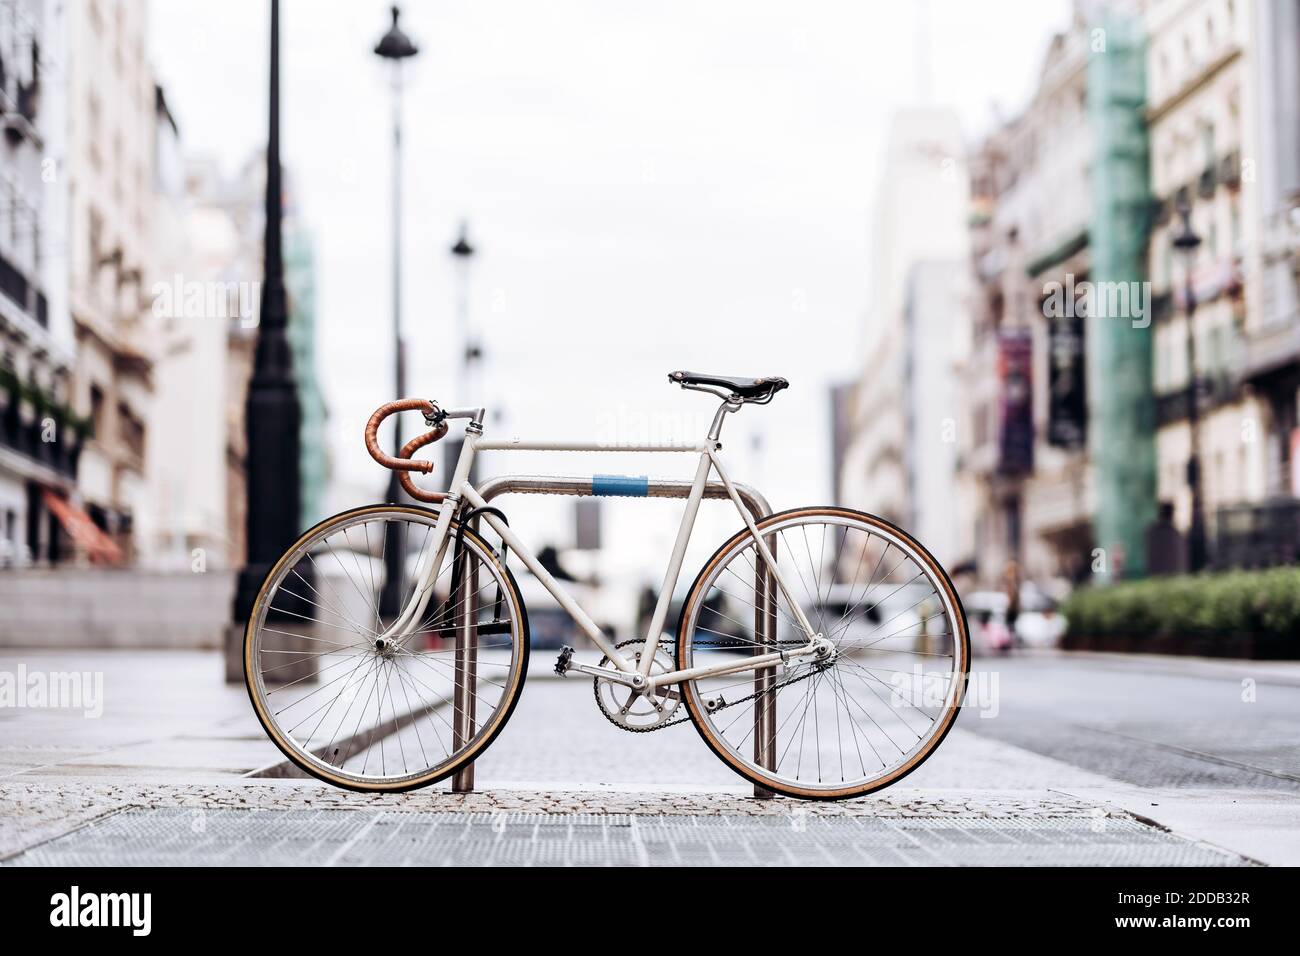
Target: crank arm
635,681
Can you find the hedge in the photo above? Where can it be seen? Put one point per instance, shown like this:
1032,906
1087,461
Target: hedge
1234,613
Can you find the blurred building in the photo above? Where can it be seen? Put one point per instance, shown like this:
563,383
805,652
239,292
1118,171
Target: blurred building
187,520
1265,528
300,282
1078,410
1025,428
113,114
198,478
900,457
41,435
1197,78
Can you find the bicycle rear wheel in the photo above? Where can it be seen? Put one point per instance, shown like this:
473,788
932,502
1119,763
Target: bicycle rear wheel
368,712
884,699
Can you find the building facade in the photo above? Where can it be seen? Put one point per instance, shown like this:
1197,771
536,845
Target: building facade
113,114
1197,114
900,454
41,435
207,309
1267,529
1024,435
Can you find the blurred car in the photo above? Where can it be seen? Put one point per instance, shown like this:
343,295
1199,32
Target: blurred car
1040,623
887,616
883,613
986,615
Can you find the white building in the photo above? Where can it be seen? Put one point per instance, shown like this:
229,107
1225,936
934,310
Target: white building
40,438
185,523
1270,356
899,452
113,115
1197,116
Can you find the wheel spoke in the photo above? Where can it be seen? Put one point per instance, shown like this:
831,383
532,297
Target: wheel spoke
826,715
355,706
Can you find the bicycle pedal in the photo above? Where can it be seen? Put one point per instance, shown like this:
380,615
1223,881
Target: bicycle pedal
563,661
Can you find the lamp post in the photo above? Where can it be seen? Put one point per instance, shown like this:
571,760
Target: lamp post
462,256
271,412
395,46
1186,241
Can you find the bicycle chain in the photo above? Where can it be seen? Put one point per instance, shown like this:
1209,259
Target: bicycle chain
816,668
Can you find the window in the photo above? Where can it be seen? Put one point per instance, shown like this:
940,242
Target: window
130,430
96,409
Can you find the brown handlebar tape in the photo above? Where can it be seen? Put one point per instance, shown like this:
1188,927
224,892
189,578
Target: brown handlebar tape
409,449
377,419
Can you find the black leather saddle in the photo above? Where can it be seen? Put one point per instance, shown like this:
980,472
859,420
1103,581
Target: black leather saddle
744,389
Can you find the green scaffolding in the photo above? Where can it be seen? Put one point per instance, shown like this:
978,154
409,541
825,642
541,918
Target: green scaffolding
1120,395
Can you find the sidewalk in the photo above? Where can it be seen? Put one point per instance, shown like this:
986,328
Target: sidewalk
177,756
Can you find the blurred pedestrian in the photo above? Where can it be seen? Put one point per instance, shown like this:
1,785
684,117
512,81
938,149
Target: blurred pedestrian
1011,587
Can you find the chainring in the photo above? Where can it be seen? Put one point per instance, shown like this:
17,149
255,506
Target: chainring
630,709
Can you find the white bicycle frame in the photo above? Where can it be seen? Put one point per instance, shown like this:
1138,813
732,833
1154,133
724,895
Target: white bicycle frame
461,491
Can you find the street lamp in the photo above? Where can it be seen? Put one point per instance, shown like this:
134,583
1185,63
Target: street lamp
395,46
1186,241
272,414
462,256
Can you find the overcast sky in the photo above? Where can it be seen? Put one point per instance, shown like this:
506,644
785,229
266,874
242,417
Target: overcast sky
652,186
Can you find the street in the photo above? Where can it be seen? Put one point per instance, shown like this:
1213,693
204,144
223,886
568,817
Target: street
1154,722
1081,759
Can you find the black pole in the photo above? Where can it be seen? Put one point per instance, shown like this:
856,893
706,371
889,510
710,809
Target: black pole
1186,241
390,600
395,46
1196,526
272,415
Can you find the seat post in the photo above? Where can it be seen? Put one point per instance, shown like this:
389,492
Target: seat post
715,429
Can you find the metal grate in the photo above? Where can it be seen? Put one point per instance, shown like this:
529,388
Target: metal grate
170,837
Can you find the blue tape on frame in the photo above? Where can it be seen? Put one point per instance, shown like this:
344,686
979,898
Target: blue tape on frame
622,486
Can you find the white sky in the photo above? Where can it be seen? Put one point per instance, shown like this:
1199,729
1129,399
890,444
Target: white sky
651,186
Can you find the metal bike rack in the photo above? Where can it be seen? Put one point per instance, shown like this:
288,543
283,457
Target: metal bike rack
764,612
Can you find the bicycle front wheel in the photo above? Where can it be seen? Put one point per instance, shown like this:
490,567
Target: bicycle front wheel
361,708
859,719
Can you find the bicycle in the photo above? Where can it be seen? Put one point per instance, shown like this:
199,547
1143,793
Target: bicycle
805,672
